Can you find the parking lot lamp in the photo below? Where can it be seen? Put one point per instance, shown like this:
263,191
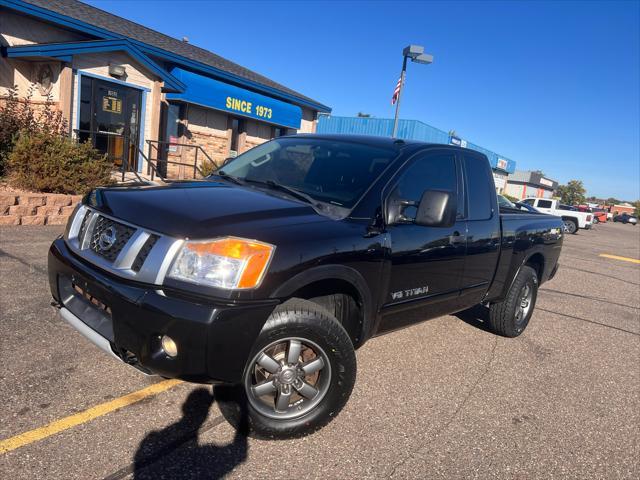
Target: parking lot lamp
417,55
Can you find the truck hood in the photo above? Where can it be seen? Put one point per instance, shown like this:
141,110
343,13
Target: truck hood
200,210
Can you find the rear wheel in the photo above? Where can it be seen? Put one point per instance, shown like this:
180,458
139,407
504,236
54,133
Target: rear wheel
570,225
299,375
510,317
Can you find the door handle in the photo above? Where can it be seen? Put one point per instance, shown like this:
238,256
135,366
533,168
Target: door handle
457,238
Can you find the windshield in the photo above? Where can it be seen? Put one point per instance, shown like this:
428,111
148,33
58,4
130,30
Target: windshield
505,202
335,172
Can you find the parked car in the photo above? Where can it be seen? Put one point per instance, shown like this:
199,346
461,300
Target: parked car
599,215
526,206
572,218
270,273
626,218
504,202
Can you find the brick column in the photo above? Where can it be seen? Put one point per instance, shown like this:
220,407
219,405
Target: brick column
66,92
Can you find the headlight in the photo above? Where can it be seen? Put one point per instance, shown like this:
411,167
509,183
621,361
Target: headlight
231,263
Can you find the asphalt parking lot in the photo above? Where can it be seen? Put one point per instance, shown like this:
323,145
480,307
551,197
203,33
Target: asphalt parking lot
442,399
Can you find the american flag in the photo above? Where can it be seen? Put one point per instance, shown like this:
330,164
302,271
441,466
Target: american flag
396,92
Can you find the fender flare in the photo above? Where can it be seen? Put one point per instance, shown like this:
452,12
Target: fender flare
333,272
535,251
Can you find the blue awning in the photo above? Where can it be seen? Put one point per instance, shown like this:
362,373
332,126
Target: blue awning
215,94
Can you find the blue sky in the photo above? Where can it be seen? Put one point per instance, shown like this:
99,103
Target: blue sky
553,85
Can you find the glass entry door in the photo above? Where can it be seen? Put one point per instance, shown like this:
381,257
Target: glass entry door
110,120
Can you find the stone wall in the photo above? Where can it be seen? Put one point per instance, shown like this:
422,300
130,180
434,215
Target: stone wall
18,208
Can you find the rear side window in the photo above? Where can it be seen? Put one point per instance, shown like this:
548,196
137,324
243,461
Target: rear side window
546,204
479,187
434,171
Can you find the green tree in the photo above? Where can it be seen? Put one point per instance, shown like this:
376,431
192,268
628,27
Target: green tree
572,193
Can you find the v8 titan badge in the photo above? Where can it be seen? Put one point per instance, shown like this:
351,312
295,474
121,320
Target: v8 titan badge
411,292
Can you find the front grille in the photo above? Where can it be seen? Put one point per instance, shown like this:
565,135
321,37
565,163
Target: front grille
144,252
84,225
117,232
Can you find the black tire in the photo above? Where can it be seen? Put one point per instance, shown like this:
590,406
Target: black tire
503,316
298,319
596,220
570,225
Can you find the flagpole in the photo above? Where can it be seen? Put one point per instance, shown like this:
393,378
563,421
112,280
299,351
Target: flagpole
402,75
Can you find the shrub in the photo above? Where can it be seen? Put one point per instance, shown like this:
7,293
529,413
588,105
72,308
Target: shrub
20,116
207,168
52,163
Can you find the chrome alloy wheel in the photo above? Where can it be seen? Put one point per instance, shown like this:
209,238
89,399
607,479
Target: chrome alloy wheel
526,297
288,378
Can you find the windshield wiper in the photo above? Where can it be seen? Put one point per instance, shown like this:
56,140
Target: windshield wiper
291,191
226,176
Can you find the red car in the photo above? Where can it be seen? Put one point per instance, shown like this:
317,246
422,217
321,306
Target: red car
599,214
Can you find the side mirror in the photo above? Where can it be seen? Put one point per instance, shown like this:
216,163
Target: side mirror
227,160
437,208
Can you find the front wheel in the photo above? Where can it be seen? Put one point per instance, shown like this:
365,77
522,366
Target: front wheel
299,376
510,317
596,220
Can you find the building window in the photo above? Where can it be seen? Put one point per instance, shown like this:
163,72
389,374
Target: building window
173,126
279,132
237,128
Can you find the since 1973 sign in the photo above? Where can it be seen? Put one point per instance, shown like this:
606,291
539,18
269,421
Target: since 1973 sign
218,95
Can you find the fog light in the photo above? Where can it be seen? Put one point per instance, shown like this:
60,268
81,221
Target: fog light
169,346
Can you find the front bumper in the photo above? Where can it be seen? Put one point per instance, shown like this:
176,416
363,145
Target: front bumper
127,320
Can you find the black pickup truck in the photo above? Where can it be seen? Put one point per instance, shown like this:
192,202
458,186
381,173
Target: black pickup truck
271,272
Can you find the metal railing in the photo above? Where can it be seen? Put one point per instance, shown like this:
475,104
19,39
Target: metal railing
130,152
107,142
159,165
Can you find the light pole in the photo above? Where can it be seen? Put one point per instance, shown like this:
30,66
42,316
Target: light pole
417,55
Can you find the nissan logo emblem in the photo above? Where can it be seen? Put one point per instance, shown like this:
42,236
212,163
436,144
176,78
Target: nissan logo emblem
107,238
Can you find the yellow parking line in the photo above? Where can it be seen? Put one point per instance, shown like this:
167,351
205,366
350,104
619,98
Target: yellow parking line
616,257
85,416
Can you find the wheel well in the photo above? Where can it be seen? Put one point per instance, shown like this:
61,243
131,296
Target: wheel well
341,299
536,261
573,219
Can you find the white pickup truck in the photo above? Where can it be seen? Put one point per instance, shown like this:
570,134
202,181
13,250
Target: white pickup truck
573,219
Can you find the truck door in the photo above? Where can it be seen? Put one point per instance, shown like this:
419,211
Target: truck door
545,206
426,262
483,229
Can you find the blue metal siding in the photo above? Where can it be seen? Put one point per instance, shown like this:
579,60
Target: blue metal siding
407,129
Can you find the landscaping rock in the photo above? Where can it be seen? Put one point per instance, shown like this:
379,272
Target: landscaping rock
20,210
7,199
33,220
47,210
32,200
67,211
59,200
9,220
58,220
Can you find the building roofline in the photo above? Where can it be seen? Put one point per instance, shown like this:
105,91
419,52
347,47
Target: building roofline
79,25
67,49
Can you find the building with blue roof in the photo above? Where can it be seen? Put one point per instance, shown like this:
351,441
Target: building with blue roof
137,94
415,130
